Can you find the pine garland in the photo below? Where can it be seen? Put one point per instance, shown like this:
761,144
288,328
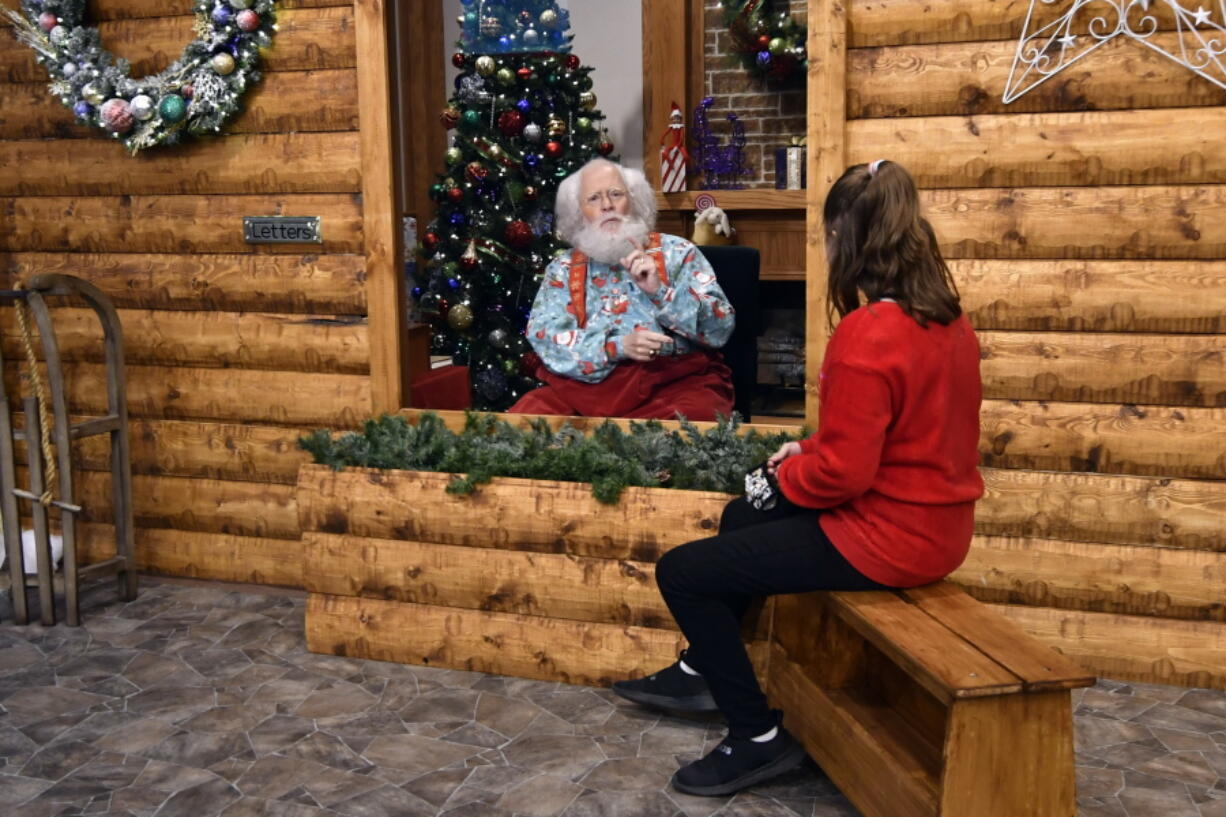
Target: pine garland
610,458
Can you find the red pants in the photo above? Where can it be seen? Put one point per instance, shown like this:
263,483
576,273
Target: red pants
697,385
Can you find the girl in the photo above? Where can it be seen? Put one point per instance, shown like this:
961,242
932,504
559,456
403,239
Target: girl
882,496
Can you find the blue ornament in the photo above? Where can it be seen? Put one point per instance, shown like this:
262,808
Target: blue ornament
457,219
524,106
82,109
764,59
453,283
221,15
504,42
466,3
532,160
416,293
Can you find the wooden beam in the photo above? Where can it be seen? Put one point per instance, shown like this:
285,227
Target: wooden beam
827,118
171,224
573,652
1094,296
1156,441
250,340
1161,222
554,586
666,74
1178,370
970,78
1176,513
290,163
564,517
1127,579
380,213
421,94
136,9
305,39
225,395
283,102
313,284
1138,648
1049,149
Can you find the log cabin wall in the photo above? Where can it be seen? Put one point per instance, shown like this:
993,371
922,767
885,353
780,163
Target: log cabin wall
233,350
1086,226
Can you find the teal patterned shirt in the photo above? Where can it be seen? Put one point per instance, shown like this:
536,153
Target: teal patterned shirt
691,309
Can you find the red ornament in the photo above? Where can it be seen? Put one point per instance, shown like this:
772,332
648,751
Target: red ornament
511,123
604,148
455,195
553,149
248,20
763,41
429,243
476,171
47,21
457,59
518,234
524,73
572,61
188,91
450,117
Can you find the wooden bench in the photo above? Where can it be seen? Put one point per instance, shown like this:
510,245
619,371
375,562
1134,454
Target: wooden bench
926,702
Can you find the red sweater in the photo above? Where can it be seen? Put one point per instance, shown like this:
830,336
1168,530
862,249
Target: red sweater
896,454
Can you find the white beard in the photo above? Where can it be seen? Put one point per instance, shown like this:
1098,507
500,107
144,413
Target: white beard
611,247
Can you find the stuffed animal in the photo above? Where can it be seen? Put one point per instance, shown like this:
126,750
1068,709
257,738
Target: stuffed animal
711,227
27,551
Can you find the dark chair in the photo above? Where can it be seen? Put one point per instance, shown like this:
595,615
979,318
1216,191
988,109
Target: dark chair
736,270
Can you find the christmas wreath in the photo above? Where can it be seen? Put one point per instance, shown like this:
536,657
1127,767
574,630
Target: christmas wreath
772,45
196,95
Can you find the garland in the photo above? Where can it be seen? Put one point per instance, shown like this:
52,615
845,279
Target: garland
771,45
610,458
196,95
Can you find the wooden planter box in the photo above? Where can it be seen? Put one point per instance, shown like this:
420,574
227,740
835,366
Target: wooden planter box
526,578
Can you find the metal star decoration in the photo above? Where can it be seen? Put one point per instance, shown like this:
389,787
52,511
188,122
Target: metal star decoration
1194,39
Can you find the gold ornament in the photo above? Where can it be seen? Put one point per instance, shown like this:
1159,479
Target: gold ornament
588,100
549,18
486,65
555,126
223,64
460,317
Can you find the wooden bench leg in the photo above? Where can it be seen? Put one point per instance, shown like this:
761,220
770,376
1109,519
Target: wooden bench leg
1010,756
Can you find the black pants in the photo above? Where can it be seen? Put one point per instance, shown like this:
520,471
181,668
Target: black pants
709,584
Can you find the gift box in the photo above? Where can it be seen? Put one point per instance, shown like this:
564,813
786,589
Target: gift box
790,167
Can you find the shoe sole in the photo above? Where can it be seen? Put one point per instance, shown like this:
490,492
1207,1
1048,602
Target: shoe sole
785,762
691,703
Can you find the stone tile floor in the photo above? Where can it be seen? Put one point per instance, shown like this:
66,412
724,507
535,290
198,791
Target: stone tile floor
201,700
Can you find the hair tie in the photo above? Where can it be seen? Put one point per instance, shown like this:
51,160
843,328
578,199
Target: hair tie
874,166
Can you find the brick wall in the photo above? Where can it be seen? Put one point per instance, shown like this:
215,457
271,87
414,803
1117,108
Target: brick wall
771,117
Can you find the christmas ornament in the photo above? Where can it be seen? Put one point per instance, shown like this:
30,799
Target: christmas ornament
475,171
572,61
221,63
471,120
523,106
115,116
511,123
469,259
485,65
491,26
518,234
248,20
450,117
583,124
770,44
458,59
555,127
490,383
460,317
531,37
531,161
530,193
453,156
1050,44
553,149
587,99
524,73
455,195
498,338
604,148
505,76
549,18
173,108
533,132
429,243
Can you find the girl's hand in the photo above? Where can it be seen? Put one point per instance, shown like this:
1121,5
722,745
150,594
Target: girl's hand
786,450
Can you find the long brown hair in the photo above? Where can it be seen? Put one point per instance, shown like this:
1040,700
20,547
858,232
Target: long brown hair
879,244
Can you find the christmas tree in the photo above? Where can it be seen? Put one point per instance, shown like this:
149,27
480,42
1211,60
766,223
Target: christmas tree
524,117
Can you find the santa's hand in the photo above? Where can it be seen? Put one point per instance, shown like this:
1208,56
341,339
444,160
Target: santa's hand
642,269
643,345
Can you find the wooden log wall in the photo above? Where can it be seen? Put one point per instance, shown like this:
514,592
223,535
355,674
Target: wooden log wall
233,350
1086,226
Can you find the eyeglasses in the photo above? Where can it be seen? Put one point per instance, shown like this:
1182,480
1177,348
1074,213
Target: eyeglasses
614,195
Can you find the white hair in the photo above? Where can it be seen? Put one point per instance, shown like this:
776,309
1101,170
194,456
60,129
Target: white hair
568,212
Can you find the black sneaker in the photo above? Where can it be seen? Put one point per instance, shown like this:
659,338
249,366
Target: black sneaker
671,688
738,763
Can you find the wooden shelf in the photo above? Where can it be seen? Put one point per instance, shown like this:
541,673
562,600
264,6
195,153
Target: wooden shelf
758,199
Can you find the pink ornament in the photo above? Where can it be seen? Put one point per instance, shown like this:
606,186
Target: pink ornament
47,21
116,116
248,20
187,91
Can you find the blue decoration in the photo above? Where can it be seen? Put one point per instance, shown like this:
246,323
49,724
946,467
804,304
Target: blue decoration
504,42
454,283
83,109
222,15
764,59
457,219
532,160
416,292
722,166
523,106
